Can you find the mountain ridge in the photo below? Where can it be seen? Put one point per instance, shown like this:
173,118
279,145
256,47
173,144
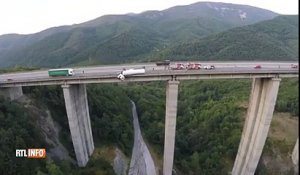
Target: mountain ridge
139,35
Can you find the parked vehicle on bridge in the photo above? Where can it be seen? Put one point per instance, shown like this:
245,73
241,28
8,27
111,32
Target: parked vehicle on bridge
60,72
129,72
179,66
208,67
192,66
257,66
294,66
163,63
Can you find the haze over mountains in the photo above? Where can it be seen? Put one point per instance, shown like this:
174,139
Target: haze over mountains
202,31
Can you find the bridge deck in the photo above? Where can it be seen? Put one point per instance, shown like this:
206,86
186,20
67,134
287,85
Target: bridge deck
152,75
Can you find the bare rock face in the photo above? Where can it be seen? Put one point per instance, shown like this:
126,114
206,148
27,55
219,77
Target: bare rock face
49,129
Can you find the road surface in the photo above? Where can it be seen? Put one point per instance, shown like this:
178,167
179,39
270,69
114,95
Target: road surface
151,68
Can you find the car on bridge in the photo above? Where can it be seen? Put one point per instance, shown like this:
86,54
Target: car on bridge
257,66
294,66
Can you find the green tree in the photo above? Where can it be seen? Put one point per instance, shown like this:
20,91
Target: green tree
53,169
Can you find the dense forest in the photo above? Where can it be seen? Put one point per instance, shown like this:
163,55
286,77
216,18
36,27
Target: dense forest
18,131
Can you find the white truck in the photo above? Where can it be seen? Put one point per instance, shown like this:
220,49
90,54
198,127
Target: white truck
208,67
129,72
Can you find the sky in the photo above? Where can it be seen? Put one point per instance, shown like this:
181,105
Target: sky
31,16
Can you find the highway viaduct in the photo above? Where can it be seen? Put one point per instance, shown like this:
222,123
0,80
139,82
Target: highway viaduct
265,85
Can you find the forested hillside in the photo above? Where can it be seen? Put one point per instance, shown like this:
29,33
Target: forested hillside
275,39
18,131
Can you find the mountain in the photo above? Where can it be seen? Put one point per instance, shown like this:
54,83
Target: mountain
119,38
275,39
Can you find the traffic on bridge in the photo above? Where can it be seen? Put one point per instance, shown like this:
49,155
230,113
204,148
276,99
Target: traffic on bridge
118,72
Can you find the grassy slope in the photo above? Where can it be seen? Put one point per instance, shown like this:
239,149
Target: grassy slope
276,157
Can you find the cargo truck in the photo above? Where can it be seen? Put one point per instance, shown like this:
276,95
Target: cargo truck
209,67
60,72
129,72
193,66
179,66
163,63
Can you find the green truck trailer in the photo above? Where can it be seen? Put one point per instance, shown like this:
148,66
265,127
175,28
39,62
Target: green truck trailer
60,72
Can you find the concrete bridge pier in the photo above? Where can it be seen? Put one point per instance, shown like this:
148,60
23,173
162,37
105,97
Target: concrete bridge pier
295,156
170,126
260,112
12,93
79,122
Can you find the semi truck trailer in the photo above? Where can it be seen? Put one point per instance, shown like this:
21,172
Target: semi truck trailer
129,72
60,72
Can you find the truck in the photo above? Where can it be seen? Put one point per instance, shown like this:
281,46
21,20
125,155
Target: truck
193,66
60,72
179,66
208,67
129,72
163,63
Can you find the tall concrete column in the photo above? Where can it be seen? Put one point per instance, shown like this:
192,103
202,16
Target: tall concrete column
259,116
79,122
254,101
295,155
170,126
12,93
87,122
